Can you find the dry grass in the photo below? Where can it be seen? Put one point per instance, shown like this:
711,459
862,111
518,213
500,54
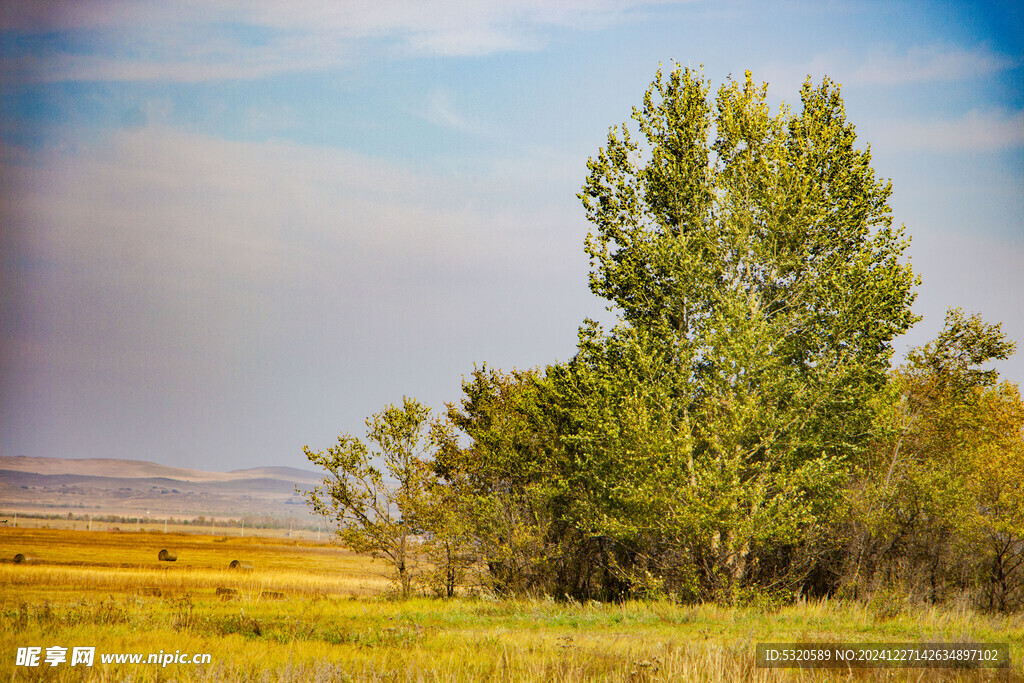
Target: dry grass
49,578
123,549
308,613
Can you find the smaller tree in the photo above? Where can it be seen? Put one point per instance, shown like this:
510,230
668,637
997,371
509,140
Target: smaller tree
450,544
935,504
503,489
380,510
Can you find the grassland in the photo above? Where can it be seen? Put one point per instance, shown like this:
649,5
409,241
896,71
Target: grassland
158,526
308,612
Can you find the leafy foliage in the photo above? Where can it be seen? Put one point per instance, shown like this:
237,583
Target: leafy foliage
738,435
938,505
755,254
380,511
509,491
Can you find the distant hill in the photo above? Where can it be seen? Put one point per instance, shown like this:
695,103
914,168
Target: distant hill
141,469
113,486
292,473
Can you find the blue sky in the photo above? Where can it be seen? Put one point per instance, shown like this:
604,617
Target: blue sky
233,228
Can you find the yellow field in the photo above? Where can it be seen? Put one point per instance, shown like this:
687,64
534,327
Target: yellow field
315,612
156,526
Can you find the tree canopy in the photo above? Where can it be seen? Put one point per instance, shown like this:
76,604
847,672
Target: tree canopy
739,433
755,253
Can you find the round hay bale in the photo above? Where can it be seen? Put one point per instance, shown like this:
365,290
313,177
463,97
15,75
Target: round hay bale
19,558
166,556
240,566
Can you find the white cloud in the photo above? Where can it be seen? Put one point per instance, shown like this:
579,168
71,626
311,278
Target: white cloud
154,221
215,204
441,111
377,17
470,41
885,66
353,17
64,68
274,37
928,64
977,131
173,55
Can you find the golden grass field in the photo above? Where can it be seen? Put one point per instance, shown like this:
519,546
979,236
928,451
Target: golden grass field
157,526
314,612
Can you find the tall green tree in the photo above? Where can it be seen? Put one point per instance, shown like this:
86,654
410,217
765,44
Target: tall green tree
759,247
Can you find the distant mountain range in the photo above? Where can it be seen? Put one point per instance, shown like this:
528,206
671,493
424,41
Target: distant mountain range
130,487
113,467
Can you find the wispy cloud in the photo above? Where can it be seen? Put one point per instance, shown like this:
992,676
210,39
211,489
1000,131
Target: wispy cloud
216,204
58,68
977,131
929,64
355,17
261,38
441,111
157,215
886,66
